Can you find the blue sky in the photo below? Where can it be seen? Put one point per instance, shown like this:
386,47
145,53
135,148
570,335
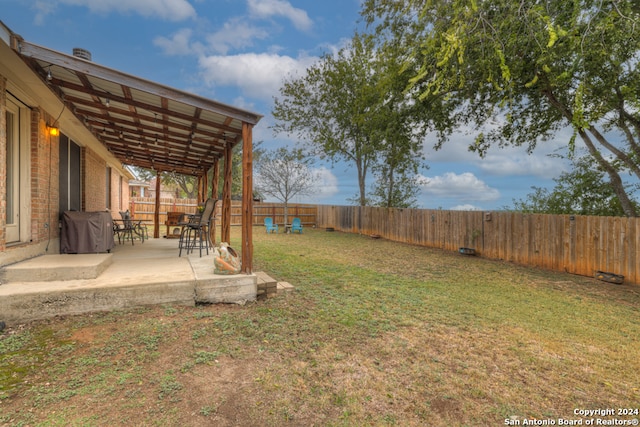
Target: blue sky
238,52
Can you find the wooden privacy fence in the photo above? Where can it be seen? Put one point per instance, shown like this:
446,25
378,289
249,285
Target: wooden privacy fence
144,208
575,244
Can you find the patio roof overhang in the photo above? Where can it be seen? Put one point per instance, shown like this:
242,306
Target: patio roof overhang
141,123
150,125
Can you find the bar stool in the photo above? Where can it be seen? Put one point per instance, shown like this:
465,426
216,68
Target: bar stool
196,230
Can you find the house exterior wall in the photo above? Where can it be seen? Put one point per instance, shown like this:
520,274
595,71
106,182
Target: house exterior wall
42,186
94,185
119,194
3,159
45,162
93,177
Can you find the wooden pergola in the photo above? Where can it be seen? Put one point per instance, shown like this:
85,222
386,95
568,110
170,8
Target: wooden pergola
153,126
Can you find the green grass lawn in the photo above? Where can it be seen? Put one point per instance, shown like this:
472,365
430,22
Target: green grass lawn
375,333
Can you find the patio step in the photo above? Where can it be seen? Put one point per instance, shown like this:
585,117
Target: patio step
57,267
267,287
285,286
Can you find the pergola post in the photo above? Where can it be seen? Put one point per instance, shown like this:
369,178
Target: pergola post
200,196
225,233
215,179
205,185
214,194
247,198
156,214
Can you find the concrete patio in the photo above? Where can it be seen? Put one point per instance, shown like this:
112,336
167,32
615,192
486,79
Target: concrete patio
131,275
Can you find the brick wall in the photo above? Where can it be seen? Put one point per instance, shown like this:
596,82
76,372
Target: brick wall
126,197
43,186
119,193
94,175
45,162
94,185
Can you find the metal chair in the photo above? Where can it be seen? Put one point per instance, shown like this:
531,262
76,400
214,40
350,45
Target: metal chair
196,230
127,226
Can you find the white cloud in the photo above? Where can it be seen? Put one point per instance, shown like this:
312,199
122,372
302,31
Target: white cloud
258,75
502,161
464,187
171,10
269,8
236,33
42,9
465,207
179,43
510,162
327,187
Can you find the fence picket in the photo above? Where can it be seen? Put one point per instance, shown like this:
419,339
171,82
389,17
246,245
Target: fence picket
575,244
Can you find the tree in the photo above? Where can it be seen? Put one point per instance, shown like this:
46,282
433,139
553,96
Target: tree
186,184
284,174
581,191
236,169
344,107
399,132
520,71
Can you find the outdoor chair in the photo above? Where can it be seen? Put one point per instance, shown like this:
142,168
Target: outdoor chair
296,225
126,227
270,226
196,230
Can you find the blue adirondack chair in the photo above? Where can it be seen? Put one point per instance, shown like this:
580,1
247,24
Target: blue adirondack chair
270,226
296,225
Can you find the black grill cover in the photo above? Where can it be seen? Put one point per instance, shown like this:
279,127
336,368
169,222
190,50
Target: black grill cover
86,232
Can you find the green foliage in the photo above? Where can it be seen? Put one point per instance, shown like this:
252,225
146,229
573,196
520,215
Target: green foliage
187,186
516,72
581,191
395,191
170,388
351,107
236,170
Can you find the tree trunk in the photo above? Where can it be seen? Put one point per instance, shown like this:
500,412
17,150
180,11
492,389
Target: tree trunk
286,213
621,155
361,185
614,178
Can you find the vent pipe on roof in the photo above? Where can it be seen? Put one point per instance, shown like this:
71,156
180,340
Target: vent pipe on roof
81,53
